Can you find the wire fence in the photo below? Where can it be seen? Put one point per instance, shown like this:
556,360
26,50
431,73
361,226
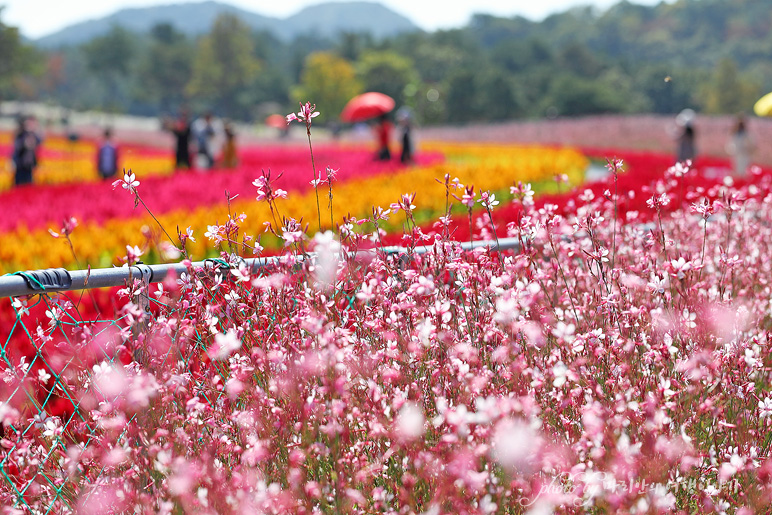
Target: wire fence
66,334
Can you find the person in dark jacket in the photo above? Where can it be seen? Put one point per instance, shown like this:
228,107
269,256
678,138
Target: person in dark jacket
107,157
405,122
25,148
181,128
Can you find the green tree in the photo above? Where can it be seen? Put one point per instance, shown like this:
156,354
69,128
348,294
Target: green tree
18,59
109,59
329,81
386,72
461,94
428,101
496,97
298,51
669,89
351,45
435,56
73,84
578,59
517,56
112,53
166,67
729,91
224,66
570,95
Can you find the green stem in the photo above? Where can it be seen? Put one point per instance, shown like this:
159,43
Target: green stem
316,183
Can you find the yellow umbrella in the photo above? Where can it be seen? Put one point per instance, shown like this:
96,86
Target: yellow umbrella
764,106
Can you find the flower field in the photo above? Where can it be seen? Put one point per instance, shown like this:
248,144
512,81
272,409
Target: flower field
107,223
617,362
63,161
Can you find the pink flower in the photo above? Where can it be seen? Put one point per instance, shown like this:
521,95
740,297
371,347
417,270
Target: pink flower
523,193
468,197
68,226
679,267
657,201
488,200
132,254
306,113
704,209
291,237
214,233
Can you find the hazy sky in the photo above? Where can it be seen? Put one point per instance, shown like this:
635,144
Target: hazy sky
41,17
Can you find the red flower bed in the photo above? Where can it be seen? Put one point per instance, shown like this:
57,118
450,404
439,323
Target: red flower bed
635,186
39,206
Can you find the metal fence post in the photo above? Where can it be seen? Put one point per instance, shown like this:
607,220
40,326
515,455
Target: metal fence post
143,302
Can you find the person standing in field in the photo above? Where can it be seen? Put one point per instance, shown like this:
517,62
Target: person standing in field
740,147
25,148
383,136
181,130
107,156
687,149
229,158
207,131
404,119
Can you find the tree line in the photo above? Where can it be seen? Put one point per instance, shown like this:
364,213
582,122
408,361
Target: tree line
702,54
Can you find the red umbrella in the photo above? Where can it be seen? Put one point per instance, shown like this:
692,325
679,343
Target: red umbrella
276,121
366,106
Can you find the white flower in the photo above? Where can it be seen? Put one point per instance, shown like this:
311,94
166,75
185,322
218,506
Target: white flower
765,407
666,391
327,258
680,266
658,285
515,444
51,427
750,358
224,345
43,375
213,233
129,182
168,251
241,274
560,371
20,306
410,421
54,314
8,414
564,331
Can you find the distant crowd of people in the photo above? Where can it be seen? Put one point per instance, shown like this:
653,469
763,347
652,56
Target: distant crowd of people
208,142
214,141
740,146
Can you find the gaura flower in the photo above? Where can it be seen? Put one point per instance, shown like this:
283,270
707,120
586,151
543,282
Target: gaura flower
306,113
129,182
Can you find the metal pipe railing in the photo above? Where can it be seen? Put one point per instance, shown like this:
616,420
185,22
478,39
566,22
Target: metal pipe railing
55,280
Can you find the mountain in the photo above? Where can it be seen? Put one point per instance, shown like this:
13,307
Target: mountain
193,19
331,18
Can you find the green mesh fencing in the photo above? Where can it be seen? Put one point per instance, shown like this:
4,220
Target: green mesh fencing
55,349
42,350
